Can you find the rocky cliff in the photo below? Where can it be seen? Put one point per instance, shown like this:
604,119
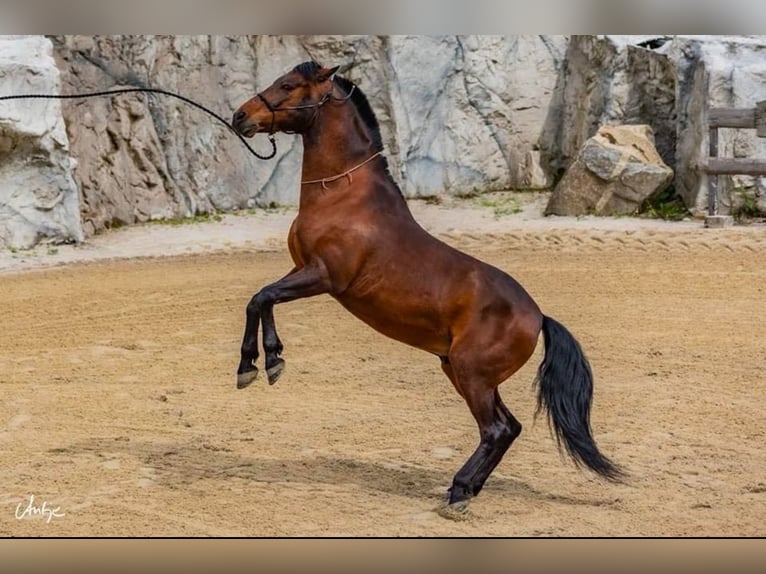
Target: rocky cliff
38,196
458,114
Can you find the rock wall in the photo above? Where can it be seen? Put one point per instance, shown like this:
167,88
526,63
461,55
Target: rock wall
458,114
38,197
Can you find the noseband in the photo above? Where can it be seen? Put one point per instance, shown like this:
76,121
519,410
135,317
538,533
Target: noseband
316,105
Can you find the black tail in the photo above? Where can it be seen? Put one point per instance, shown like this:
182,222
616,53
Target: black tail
565,389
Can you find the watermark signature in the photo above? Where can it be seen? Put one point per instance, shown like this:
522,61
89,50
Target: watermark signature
31,510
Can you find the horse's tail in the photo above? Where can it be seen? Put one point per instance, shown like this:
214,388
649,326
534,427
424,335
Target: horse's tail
565,390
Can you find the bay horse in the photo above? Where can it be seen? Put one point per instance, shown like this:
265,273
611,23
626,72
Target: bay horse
355,239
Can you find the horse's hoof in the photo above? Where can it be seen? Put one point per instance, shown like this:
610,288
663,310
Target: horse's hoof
244,379
455,511
275,371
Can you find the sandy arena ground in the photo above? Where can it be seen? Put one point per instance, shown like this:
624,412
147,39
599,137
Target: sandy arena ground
118,403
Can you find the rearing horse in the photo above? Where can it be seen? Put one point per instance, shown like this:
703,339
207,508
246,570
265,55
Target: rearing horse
355,239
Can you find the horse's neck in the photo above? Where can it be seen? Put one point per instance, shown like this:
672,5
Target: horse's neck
335,143
339,142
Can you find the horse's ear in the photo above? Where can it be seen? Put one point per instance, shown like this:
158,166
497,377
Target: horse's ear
326,73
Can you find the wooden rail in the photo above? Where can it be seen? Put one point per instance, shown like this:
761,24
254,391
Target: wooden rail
736,166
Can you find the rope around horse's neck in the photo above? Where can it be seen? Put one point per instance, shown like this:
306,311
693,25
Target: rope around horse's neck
150,91
325,180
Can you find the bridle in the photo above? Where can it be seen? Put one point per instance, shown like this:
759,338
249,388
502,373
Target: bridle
316,106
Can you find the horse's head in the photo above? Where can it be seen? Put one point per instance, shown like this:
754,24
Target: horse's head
290,104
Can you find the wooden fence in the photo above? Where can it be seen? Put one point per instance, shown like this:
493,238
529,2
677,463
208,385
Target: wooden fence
747,118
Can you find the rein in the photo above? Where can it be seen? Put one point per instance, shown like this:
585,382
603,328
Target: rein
150,91
325,180
316,106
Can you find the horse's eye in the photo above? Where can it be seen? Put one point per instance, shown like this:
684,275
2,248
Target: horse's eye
287,87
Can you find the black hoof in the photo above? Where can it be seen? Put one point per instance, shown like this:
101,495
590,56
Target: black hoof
244,379
275,371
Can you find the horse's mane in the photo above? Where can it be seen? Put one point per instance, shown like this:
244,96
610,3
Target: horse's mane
365,110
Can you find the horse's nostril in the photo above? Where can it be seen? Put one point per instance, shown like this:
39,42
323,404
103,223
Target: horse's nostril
239,116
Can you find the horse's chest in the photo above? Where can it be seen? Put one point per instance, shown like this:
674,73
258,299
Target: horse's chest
335,245
303,243
297,251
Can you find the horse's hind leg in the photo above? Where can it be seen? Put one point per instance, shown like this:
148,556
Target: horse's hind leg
498,428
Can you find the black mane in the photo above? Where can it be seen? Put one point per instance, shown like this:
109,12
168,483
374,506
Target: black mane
365,110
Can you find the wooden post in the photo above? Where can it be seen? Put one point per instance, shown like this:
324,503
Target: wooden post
760,119
712,178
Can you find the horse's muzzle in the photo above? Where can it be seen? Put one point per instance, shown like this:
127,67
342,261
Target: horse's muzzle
242,125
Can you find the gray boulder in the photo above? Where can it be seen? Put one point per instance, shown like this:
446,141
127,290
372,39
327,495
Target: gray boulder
615,171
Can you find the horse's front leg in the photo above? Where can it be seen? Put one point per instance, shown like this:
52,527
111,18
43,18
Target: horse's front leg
299,283
247,371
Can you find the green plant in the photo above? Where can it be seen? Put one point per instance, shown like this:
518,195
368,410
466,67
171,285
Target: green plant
271,207
748,205
666,205
274,207
114,224
467,194
197,218
503,204
432,200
